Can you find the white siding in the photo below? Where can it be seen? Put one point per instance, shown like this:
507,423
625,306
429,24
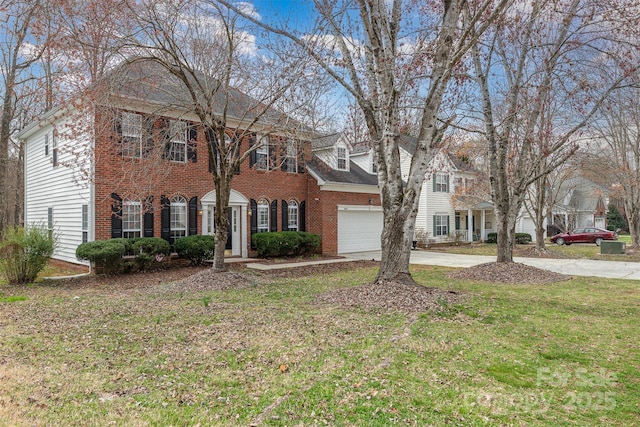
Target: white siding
57,187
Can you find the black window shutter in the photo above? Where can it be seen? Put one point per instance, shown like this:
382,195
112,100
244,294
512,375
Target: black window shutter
302,218
214,149
116,216
285,216
254,219
192,143
148,217
273,153
165,135
274,216
165,219
117,128
252,155
300,159
147,137
236,149
193,216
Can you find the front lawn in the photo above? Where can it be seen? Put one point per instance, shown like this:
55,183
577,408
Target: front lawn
117,353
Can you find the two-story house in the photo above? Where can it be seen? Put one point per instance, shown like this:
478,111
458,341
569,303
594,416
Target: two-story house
135,165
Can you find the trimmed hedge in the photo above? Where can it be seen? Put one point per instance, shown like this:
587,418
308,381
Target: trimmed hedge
196,248
285,244
521,238
102,251
108,253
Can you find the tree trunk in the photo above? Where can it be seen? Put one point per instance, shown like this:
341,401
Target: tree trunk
394,262
221,220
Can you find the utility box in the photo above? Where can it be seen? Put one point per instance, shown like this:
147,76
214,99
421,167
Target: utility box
612,247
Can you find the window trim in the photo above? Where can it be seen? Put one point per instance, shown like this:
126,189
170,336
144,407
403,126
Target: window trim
292,156
84,221
344,158
54,149
441,184
262,213
293,215
175,231
175,142
262,152
441,225
126,220
130,135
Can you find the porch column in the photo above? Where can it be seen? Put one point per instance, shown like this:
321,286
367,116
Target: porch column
469,225
244,239
482,220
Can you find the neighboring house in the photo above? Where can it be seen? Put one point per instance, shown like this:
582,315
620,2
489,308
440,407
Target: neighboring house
580,203
102,180
447,211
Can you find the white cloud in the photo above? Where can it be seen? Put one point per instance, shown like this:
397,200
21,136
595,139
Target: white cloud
249,9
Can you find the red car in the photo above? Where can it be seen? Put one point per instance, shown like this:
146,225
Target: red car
584,235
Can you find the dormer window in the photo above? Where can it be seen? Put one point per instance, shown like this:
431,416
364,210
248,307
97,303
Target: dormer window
374,166
342,158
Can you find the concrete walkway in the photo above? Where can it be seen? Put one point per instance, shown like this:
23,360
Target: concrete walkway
574,267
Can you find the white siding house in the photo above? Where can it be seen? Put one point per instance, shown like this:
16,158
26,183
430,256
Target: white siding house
55,194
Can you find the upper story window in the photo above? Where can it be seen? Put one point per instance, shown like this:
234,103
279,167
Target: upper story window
342,158
178,149
457,182
131,134
292,215
46,144
374,165
54,147
178,215
441,183
263,216
131,219
291,160
262,153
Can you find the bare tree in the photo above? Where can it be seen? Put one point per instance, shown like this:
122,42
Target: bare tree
616,162
378,51
21,47
541,81
212,72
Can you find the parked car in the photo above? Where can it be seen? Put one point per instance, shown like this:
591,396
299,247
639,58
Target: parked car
584,235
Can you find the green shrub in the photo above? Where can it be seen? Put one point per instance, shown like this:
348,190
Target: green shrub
523,238
105,252
24,252
128,244
285,244
149,249
309,244
196,248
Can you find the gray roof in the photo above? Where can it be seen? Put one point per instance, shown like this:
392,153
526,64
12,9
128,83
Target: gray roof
355,174
148,81
325,141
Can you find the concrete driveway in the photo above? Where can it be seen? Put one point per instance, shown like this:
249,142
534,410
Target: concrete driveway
574,267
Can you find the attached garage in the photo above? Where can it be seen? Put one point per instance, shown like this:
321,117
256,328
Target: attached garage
359,228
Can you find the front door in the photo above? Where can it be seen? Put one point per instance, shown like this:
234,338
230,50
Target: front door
233,232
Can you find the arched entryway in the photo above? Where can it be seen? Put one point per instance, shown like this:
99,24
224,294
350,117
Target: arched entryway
237,236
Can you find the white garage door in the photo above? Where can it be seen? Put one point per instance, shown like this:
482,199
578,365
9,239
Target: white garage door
359,228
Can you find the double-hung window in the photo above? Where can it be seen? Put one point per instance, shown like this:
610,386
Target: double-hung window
262,153
441,225
131,219
50,222
292,156
292,215
46,144
263,216
85,223
441,183
341,157
178,214
178,149
131,127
